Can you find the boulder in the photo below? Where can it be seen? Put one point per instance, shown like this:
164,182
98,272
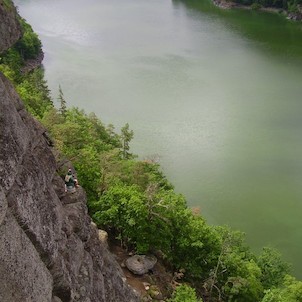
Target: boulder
140,264
103,236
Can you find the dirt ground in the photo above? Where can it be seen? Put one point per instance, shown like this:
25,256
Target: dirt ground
159,276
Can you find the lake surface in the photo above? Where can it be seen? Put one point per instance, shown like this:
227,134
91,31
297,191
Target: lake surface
216,95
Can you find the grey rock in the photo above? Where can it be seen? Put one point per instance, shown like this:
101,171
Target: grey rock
3,206
103,236
10,30
24,276
140,264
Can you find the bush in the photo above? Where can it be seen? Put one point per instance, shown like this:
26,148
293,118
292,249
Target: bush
273,268
290,291
184,293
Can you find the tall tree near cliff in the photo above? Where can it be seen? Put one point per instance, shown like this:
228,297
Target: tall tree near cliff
273,268
126,136
63,106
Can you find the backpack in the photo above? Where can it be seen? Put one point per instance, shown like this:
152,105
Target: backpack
68,178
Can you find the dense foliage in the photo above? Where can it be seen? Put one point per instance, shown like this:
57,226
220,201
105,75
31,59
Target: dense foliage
289,291
135,202
30,45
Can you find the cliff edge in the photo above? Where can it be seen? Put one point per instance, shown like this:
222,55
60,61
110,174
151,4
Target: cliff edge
49,249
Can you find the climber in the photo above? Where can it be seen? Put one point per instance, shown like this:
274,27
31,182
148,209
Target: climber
70,182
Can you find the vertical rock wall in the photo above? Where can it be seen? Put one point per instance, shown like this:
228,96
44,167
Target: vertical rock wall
48,247
10,30
49,251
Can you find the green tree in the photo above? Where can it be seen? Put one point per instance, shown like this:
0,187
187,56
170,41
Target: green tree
290,291
273,268
245,285
122,209
110,164
29,46
10,64
83,139
62,101
34,92
126,137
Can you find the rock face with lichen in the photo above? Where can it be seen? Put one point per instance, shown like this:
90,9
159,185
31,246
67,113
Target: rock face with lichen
49,250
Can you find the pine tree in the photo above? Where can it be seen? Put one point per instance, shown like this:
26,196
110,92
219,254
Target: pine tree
63,106
126,136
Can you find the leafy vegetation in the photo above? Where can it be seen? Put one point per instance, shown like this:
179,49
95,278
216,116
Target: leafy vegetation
30,45
135,202
31,87
184,293
290,291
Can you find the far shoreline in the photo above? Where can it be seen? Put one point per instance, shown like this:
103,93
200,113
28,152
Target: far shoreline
224,4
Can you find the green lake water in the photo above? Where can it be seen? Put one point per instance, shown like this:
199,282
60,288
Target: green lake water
216,95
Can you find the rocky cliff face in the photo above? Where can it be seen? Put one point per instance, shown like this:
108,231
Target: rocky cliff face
49,250
10,30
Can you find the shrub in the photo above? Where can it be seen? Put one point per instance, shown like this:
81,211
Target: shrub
184,293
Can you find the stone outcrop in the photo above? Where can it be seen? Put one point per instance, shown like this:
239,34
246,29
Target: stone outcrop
49,249
31,64
10,30
140,264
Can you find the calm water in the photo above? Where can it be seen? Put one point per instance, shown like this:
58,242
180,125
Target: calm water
217,95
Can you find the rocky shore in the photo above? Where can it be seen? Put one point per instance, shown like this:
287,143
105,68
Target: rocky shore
296,16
